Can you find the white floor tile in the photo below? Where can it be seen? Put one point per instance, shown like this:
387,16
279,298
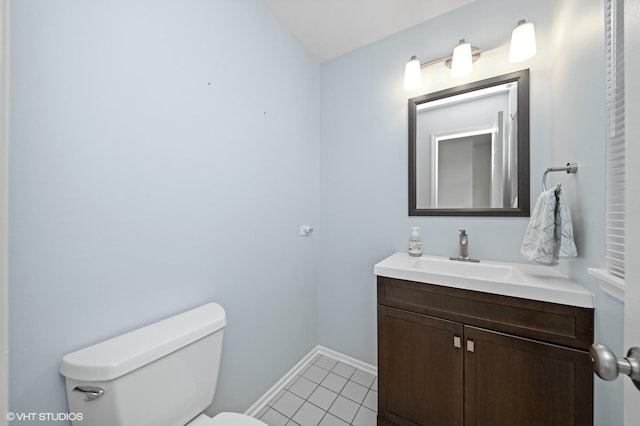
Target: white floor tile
343,369
288,404
344,409
303,387
324,392
323,397
308,415
363,378
331,420
334,382
326,362
365,417
371,400
315,374
354,392
273,418
277,396
291,381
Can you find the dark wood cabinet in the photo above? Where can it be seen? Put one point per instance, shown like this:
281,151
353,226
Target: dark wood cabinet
514,381
423,380
443,361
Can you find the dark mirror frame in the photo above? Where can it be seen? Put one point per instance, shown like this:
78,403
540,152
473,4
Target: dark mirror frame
522,77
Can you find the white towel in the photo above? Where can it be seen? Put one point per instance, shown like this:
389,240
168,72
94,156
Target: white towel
550,232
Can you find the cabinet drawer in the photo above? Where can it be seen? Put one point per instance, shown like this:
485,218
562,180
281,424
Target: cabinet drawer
560,324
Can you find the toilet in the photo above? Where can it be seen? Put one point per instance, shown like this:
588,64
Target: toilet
164,374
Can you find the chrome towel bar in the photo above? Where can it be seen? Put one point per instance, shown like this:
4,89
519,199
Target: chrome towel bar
571,167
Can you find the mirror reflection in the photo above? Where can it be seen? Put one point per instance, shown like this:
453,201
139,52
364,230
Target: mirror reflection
469,149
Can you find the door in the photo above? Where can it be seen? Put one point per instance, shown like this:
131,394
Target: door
510,380
632,225
420,369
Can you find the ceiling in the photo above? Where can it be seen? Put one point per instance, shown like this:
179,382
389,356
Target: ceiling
330,28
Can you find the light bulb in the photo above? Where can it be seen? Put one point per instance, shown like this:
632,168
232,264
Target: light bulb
462,62
412,74
523,42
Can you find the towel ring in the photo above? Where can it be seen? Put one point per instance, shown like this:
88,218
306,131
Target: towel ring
571,167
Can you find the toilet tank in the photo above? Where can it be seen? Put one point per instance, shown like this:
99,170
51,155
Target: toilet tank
161,374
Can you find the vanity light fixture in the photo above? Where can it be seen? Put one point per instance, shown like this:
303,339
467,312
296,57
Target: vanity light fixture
522,47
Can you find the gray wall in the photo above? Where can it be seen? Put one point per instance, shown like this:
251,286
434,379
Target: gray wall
364,161
161,158
578,134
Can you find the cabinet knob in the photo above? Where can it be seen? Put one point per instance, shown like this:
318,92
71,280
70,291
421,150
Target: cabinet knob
457,342
607,366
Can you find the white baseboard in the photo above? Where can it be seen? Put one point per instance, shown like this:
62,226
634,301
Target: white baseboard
347,359
257,407
262,401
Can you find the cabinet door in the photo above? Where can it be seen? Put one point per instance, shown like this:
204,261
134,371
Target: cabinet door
515,381
420,369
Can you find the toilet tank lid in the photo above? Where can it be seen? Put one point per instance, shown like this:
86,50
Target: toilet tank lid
120,355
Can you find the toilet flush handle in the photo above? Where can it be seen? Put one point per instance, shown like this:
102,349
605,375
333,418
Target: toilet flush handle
90,392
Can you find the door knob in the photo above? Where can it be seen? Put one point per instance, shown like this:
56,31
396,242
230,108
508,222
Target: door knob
607,366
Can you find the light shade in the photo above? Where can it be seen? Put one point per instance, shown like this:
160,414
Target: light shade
462,61
412,74
523,42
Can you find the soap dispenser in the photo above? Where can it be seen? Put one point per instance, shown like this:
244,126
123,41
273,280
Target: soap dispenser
415,243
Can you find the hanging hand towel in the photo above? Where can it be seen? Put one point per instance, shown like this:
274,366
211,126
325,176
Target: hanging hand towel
538,244
564,229
550,232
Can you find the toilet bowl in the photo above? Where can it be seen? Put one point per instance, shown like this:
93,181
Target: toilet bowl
164,374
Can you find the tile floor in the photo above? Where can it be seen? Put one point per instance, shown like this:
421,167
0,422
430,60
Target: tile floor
326,392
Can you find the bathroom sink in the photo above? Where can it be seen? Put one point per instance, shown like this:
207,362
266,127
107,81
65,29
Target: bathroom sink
481,271
527,281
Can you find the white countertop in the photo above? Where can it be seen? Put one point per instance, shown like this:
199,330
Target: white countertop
527,281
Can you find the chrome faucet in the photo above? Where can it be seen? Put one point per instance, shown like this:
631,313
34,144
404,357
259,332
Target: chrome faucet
464,244
464,248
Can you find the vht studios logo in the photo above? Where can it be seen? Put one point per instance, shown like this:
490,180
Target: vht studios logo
44,417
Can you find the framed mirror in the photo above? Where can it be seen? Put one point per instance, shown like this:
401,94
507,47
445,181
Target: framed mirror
469,149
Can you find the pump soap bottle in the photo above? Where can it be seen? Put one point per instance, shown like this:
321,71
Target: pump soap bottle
415,243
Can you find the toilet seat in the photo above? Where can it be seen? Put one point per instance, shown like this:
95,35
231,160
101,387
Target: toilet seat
226,419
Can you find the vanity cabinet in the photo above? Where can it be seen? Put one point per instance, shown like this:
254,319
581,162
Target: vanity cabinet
457,357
